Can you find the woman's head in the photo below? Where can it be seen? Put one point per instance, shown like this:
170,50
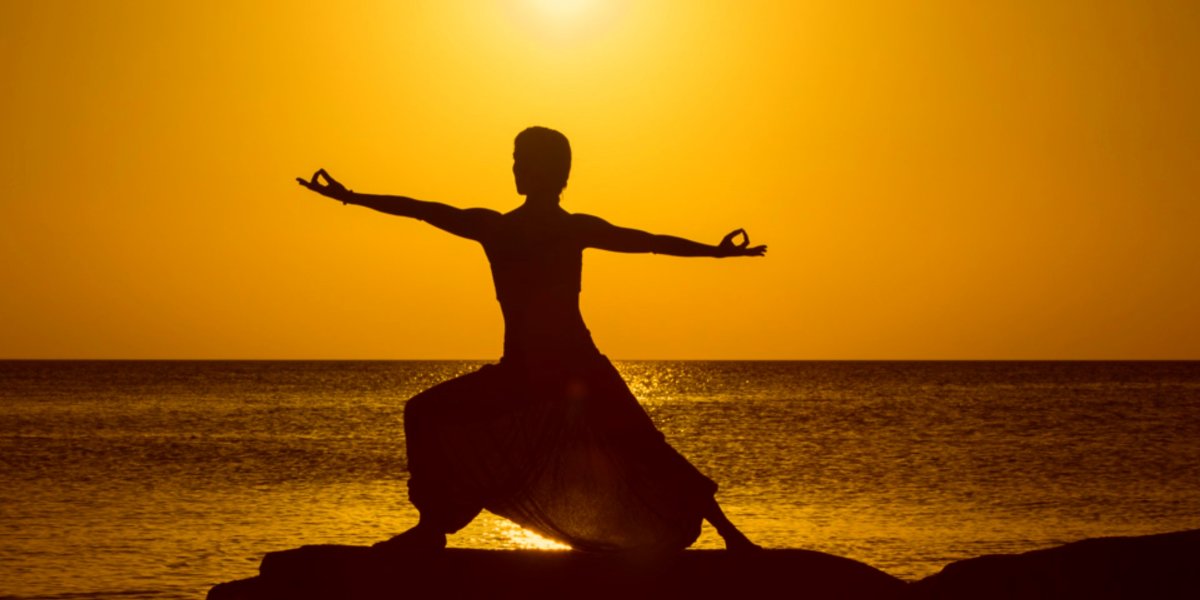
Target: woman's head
541,161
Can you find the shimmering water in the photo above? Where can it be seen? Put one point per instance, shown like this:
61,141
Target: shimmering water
159,479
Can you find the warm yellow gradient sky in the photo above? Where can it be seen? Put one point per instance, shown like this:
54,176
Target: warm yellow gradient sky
945,179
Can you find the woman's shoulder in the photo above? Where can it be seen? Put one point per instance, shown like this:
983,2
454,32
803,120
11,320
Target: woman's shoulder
585,221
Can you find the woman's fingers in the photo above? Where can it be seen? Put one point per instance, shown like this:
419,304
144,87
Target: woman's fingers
745,241
330,181
329,188
312,185
728,239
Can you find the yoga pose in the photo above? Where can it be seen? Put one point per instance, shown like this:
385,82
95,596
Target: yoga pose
551,437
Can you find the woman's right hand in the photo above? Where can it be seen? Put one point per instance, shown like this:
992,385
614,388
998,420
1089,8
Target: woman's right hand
727,246
330,188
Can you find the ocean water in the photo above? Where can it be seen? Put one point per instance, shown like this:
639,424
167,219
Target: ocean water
132,479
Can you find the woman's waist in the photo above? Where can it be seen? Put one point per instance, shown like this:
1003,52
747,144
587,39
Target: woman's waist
566,340
543,315
539,340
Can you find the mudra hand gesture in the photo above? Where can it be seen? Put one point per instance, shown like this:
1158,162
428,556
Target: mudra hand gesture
728,247
330,188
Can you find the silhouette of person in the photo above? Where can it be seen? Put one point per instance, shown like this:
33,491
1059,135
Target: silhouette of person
551,437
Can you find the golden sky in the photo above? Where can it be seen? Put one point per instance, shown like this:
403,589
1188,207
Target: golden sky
944,179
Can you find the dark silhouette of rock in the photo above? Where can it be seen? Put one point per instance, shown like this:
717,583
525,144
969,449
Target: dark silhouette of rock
1164,566
1159,567
353,572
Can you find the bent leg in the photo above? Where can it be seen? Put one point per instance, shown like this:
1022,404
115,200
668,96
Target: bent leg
440,436
735,540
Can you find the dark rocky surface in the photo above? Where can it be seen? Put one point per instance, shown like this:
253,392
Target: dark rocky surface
360,573
1165,566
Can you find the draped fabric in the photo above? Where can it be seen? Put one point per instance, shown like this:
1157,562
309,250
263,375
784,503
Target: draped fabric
563,450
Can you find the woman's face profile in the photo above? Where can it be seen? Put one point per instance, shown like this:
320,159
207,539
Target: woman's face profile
519,175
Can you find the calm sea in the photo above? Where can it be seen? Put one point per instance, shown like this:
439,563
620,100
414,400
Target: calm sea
160,479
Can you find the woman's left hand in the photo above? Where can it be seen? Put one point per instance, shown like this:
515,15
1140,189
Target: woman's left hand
331,188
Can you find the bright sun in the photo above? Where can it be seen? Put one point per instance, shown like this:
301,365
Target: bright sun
567,20
564,10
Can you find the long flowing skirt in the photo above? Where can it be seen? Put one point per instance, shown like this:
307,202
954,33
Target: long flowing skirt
564,450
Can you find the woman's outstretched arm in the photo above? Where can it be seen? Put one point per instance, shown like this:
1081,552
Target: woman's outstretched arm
598,233
470,223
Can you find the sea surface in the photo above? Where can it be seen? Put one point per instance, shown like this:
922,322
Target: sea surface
159,479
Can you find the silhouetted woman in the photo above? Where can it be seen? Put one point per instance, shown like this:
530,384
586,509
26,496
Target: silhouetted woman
551,437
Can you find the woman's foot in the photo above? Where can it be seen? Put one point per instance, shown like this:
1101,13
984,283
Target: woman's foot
419,538
736,541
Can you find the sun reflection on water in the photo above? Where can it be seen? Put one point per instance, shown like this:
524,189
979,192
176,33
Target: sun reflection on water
520,537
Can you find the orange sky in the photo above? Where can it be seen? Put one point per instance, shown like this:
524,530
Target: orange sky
950,180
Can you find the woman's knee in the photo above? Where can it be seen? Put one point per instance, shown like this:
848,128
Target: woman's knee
417,408
461,388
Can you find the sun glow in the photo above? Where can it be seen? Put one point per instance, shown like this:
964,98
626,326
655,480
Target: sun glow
564,9
943,180
566,20
528,540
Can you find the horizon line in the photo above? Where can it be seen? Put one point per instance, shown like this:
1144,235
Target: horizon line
210,359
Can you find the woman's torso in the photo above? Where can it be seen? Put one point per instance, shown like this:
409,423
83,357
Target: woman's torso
536,259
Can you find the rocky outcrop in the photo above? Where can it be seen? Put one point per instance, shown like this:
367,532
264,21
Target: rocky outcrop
1165,566
350,572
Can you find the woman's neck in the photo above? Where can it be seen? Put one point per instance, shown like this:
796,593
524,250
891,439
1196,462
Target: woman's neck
542,200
